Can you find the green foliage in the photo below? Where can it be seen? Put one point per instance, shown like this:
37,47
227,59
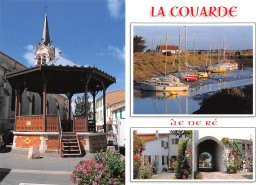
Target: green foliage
198,175
173,164
113,162
105,168
183,169
227,101
80,106
139,145
139,44
227,142
145,170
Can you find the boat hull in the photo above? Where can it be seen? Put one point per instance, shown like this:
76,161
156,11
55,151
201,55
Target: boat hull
147,87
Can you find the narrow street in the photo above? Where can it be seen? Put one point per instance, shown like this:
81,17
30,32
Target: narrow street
163,175
220,175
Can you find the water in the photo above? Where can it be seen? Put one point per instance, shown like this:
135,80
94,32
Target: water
147,102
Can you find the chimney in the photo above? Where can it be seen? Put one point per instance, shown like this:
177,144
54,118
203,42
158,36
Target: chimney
157,134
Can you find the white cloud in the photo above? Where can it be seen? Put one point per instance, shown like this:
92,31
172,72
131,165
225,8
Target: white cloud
114,7
29,55
117,52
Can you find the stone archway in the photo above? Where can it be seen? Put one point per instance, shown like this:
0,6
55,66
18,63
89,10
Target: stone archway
212,146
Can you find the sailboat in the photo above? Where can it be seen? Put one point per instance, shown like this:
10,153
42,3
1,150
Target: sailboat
164,83
188,75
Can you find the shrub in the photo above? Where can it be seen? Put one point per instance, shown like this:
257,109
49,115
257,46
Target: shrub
184,167
146,169
105,168
227,101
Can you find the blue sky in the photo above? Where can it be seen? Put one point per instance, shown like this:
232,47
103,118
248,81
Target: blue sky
237,36
90,32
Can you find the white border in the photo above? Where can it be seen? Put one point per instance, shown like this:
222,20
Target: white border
192,180
191,115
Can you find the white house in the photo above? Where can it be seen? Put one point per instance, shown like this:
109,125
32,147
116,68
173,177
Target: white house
160,147
112,99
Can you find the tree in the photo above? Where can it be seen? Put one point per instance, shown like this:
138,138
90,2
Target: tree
80,106
139,44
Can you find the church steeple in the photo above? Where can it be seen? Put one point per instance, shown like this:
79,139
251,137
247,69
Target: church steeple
45,52
45,32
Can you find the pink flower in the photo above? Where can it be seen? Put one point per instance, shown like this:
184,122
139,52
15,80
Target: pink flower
223,148
186,172
184,177
188,151
115,183
191,162
251,140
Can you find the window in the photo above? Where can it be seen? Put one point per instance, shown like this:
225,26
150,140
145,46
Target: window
148,158
39,60
162,143
175,141
44,60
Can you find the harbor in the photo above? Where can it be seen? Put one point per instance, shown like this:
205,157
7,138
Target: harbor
187,102
185,79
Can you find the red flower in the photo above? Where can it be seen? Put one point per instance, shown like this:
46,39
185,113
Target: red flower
158,156
233,152
191,162
184,177
186,172
229,155
223,148
237,152
188,151
136,158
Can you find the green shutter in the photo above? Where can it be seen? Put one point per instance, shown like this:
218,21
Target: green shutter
237,145
116,114
121,113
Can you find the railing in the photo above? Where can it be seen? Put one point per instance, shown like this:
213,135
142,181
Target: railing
60,134
80,124
52,123
29,123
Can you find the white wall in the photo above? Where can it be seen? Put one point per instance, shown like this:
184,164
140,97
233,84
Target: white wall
154,148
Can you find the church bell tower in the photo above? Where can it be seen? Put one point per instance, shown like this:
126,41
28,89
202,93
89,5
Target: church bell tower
46,51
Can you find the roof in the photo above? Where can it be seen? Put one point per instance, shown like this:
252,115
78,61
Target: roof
60,79
150,137
45,32
114,97
60,61
169,47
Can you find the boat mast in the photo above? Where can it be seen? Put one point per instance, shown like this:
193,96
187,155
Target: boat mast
218,50
210,53
186,43
224,49
166,53
194,51
179,49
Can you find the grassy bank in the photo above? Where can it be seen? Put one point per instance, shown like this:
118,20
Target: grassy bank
147,64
